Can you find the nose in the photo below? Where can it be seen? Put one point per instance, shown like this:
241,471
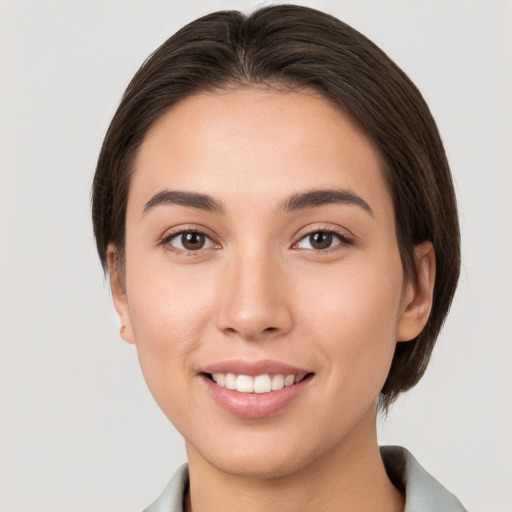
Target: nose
254,303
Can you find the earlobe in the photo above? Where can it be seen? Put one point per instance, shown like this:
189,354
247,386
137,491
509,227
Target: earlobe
418,294
117,287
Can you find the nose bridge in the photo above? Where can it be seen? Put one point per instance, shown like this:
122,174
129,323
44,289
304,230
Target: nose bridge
254,302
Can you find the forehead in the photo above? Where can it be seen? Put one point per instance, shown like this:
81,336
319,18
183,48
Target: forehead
248,143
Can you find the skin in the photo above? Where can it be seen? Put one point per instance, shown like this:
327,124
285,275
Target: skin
258,290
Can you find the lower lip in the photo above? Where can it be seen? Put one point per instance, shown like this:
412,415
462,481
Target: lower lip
254,405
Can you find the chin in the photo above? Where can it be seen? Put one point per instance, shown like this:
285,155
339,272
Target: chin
260,466
259,460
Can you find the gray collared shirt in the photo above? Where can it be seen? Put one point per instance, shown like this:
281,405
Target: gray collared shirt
423,493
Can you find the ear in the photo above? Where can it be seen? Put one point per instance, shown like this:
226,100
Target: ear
117,286
417,295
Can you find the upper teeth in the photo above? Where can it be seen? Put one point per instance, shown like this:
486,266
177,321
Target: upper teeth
258,384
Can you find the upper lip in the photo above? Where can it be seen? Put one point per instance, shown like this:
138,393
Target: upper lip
253,368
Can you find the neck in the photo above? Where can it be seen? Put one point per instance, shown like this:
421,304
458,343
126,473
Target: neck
351,476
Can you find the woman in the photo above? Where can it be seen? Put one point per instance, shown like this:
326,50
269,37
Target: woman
275,209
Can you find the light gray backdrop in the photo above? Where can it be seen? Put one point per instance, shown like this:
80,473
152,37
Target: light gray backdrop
78,429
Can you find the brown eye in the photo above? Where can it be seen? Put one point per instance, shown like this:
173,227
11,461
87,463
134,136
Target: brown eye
189,241
321,240
192,241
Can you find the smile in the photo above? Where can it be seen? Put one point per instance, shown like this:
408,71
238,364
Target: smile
255,389
264,383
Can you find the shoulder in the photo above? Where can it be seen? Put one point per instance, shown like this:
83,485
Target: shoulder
422,491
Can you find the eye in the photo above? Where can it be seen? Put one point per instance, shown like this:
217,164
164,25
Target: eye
321,240
189,241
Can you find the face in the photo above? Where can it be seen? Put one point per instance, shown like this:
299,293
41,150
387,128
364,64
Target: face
263,285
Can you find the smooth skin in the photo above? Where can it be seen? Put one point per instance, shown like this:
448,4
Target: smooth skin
257,286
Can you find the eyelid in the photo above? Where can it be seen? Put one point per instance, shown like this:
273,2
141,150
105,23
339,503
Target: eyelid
190,228
346,236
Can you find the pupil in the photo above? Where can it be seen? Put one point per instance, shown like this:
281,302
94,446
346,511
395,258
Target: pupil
320,240
192,241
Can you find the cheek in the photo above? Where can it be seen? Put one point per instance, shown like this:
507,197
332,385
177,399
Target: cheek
354,317
168,314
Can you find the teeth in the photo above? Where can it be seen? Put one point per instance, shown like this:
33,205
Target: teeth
220,379
230,381
289,380
260,384
277,382
244,384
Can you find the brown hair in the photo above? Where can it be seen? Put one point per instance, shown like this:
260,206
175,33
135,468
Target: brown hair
295,47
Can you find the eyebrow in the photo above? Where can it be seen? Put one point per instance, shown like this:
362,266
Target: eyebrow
181,198
299,201
316,198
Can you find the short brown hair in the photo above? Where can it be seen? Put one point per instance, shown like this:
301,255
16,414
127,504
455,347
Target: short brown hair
294,47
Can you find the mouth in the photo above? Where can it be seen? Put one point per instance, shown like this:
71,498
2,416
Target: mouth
258,384
255,389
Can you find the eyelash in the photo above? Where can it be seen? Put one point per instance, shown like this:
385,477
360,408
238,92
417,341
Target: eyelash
175,234
344,240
